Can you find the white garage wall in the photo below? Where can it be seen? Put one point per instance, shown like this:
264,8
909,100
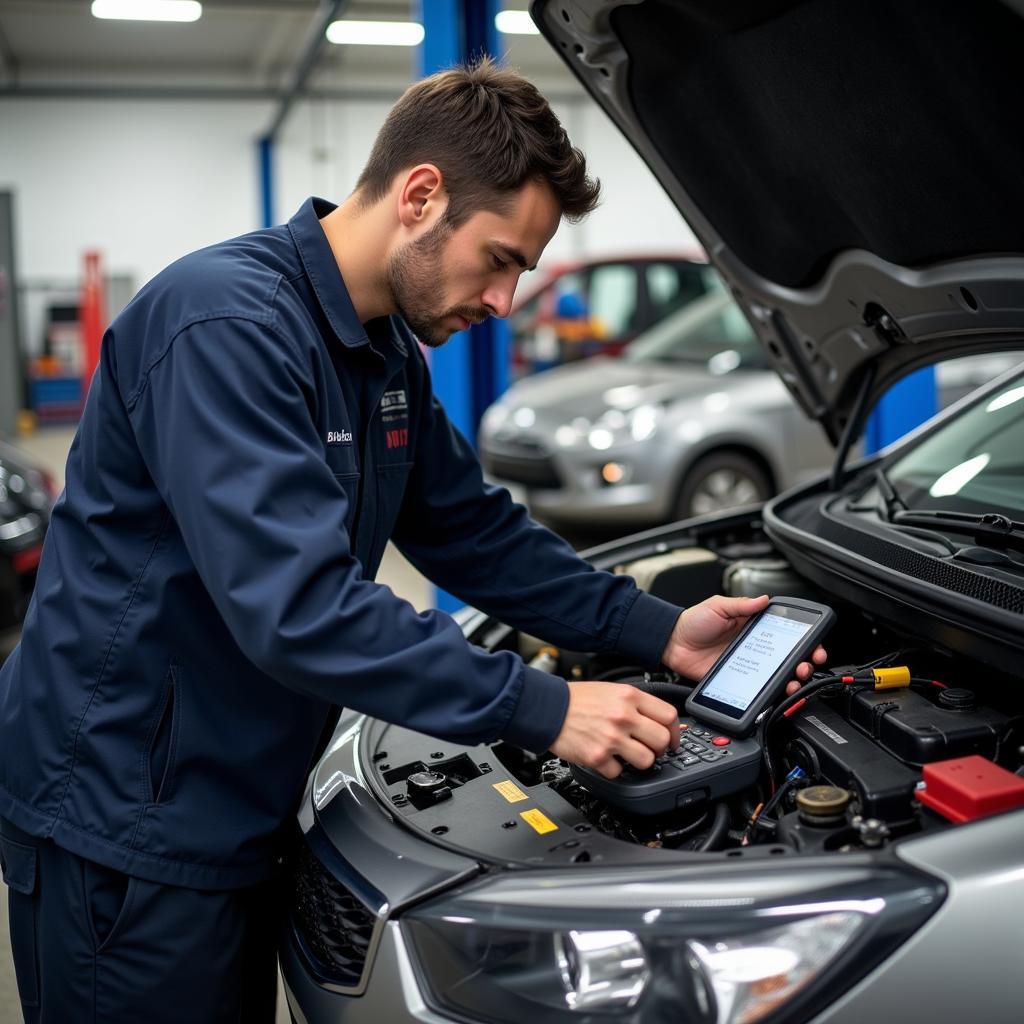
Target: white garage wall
144,182
147,181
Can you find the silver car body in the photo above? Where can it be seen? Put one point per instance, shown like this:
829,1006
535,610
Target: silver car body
979,864
576,419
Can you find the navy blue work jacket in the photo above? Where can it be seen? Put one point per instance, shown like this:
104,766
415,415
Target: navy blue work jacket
206,595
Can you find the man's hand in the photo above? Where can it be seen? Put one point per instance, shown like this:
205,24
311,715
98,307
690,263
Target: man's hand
702,632
609,719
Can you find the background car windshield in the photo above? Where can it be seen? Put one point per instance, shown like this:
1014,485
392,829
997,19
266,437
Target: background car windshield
974,463
710,331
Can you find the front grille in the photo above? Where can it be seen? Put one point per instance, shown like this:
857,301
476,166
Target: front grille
335,927
534,472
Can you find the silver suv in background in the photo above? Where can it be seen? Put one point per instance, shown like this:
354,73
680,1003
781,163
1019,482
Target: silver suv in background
689,420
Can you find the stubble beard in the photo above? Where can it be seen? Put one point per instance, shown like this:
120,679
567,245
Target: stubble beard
415,274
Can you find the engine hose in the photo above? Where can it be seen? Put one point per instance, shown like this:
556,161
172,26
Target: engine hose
623,674
672,693
719,830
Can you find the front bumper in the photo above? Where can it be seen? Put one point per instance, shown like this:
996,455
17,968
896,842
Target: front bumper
345,896
565,485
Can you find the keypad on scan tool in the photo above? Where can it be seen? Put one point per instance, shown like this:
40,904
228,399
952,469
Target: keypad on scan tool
698,744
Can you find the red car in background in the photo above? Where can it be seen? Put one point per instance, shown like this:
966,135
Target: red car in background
585,307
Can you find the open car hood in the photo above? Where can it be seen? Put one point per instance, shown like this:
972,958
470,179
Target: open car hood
854,170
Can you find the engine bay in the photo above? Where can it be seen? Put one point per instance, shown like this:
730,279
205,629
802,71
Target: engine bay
857,761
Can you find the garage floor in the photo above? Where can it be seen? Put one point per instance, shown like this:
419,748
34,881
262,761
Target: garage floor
50,447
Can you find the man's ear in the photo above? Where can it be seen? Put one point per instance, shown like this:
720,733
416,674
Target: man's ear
422,197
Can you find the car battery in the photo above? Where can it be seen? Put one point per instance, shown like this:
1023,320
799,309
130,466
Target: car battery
919,731
829,749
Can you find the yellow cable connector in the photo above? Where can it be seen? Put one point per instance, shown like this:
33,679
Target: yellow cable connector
891,678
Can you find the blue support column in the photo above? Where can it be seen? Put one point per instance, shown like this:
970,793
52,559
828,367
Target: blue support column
471,370
265,152
907,404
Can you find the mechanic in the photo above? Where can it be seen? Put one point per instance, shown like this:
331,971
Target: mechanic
260,424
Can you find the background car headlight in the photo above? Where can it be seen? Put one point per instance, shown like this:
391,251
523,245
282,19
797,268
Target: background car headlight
614,426
494,417
718,947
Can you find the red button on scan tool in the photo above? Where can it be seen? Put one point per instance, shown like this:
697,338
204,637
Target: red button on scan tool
967,788
721,741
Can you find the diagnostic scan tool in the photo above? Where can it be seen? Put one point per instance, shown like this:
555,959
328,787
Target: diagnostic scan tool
754,669
717,755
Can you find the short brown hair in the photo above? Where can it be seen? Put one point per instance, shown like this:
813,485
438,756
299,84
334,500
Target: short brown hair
489,131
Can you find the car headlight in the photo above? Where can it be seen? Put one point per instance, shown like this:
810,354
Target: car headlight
494,417
636,424
613,426
724,947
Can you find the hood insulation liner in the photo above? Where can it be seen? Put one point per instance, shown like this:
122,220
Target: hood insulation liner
801,130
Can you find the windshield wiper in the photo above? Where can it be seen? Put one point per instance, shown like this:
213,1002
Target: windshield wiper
990,528
893,502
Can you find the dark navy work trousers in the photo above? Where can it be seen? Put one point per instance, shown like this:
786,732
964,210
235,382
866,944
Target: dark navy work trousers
93,946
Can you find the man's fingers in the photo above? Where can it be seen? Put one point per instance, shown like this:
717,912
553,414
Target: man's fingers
605,722
664,714
637,753
654,736
805,669
742,607
610,768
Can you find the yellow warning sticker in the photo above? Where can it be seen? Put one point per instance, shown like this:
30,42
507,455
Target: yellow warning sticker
538,821
510,791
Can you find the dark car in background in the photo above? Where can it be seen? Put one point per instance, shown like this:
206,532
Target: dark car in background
26,493
850,170
589,307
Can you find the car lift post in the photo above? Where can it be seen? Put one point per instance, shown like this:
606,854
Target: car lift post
471,369
907,404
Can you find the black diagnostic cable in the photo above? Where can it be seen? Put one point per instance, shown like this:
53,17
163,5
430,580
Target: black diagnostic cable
876,678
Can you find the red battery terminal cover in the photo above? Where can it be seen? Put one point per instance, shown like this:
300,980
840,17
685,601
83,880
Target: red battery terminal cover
967,788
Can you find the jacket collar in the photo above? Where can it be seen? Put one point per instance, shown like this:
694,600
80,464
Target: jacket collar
322,270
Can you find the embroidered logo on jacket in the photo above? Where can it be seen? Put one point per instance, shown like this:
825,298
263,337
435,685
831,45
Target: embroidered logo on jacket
394,401
339,436
394,414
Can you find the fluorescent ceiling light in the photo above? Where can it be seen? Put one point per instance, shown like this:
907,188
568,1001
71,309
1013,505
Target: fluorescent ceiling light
147,10
515,23
375,33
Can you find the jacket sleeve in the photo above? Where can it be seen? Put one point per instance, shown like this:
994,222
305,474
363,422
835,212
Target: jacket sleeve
474,541
223,420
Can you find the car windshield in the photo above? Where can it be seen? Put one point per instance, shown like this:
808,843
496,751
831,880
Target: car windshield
974,462
710,331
